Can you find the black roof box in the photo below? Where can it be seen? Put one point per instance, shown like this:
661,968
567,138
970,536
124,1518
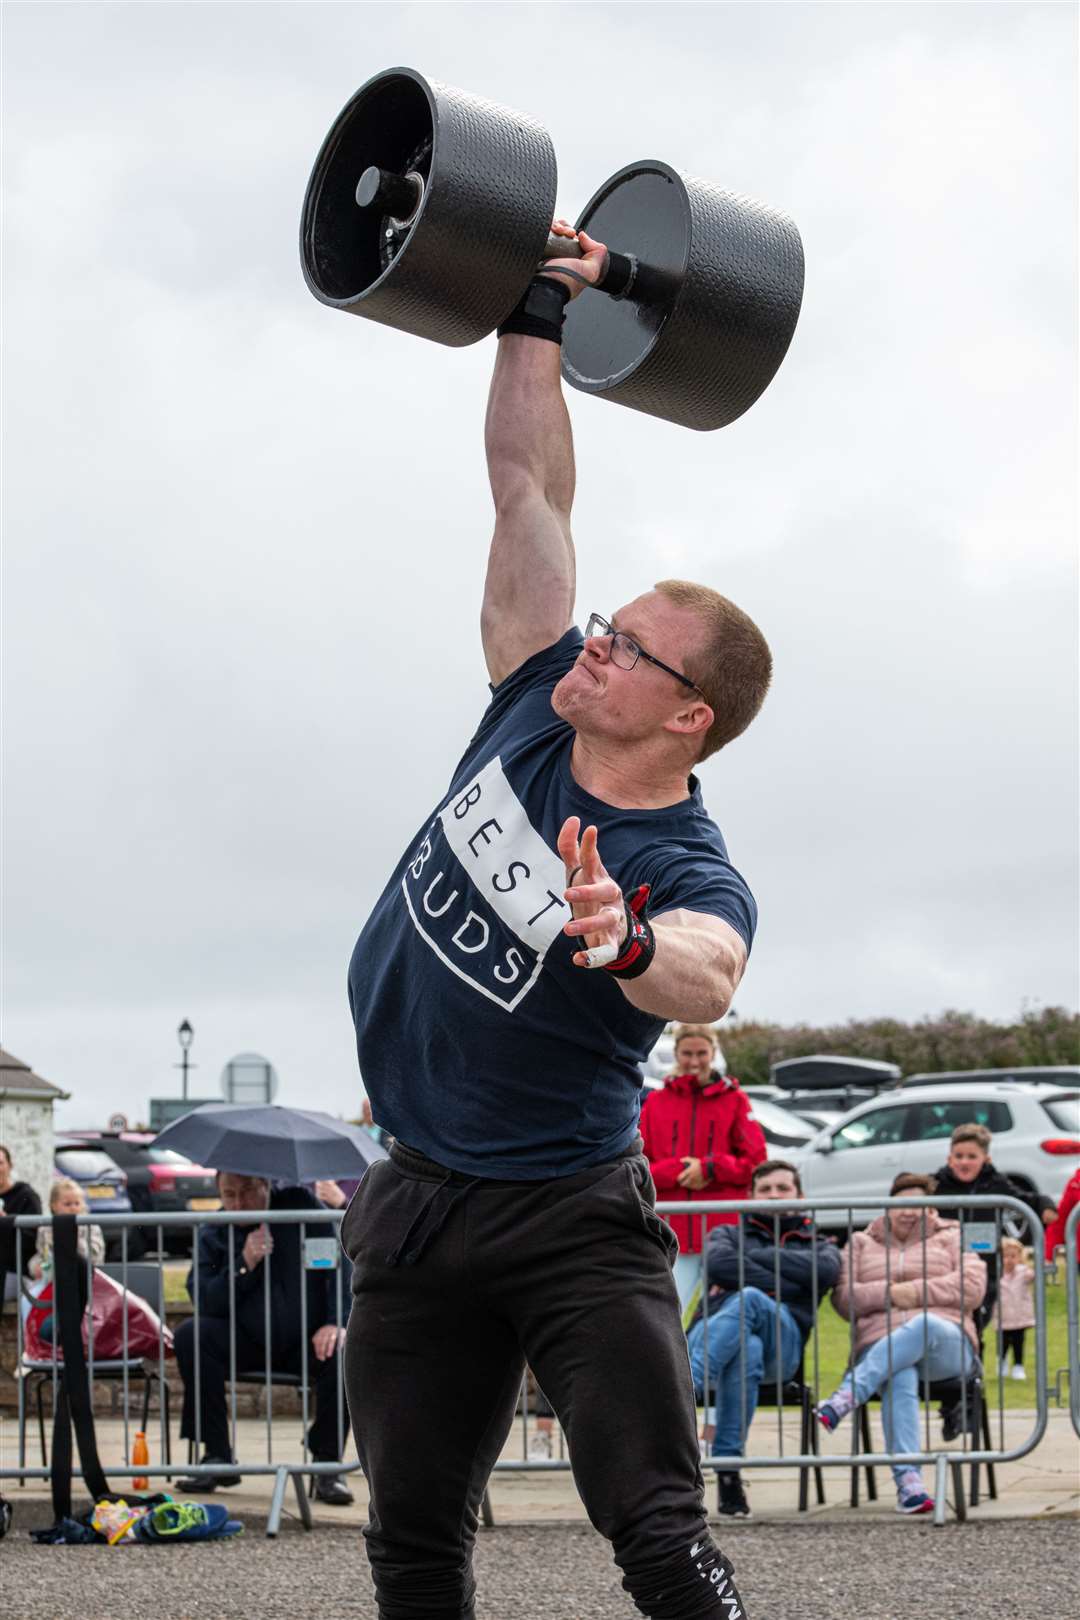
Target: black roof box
827,1073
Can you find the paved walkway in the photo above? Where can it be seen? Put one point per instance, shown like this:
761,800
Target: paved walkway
1044,1484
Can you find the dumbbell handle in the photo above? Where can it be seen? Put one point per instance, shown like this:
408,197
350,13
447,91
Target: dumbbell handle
400,196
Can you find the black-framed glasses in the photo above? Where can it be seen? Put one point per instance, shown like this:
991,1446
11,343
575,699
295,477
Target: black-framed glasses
625,651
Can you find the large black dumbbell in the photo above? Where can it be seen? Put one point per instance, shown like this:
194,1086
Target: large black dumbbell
429,209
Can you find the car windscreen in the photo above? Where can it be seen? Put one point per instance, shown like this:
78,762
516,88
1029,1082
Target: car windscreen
84,1163
1065,1113
167,1156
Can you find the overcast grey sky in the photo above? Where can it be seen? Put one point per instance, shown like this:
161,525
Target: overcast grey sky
244,536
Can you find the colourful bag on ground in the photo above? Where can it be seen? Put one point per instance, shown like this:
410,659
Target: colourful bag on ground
187,1521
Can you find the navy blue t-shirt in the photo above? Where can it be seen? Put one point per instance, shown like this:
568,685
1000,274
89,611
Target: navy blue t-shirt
480,1043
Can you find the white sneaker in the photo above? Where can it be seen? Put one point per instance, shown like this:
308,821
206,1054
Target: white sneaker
1018,1372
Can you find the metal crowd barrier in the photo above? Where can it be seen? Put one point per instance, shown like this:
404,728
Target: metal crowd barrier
979,1235
1072,1307
316,1253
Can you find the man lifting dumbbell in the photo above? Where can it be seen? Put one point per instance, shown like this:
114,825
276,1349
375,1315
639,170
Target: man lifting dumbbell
566,897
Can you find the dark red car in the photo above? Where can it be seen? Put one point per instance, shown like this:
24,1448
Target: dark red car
159,1181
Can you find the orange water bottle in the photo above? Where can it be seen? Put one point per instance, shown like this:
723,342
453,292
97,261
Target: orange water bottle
140,1453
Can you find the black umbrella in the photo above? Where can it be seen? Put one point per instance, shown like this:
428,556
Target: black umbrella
284,1144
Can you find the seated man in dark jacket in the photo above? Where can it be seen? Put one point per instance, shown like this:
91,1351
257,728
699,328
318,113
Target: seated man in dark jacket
264,1258
765,1313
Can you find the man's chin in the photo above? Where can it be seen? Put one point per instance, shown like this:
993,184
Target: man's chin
564,698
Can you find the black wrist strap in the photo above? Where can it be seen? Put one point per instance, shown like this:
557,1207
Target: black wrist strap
639,947
540,312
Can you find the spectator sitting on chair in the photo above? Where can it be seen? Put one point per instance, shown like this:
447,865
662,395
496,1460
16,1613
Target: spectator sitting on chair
252,1248
65,1198
16,1198
701,1141
912,1296
970,1170
775,1325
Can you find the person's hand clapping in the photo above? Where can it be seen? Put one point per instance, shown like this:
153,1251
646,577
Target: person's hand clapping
330,1194
596,901
257,1246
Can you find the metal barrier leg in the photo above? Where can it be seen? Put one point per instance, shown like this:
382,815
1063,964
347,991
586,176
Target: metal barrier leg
304,1501
277,1502
871,1477
940,1476
41,1419
815,1447
487,1513
991,1481
958,1492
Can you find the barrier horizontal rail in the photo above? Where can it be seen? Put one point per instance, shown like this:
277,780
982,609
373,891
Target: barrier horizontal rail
940,1458
1072,1309
281,1354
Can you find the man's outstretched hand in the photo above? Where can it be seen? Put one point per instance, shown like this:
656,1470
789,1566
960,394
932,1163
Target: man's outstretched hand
596,901
591,265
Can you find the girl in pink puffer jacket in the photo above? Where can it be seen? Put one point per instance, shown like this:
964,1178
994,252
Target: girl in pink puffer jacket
910,1294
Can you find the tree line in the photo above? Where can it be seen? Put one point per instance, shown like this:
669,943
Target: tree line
954,1040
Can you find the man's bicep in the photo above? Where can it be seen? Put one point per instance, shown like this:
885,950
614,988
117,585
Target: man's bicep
529,588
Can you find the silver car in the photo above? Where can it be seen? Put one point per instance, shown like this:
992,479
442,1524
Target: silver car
1036,1131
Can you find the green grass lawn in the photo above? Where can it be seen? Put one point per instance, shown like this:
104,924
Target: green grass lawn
175,1273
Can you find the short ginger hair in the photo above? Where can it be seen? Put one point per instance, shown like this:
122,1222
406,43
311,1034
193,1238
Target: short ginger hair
731,665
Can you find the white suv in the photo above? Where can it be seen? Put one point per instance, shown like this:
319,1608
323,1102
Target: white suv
1036,1131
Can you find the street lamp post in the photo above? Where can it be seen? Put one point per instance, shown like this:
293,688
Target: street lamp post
185,1035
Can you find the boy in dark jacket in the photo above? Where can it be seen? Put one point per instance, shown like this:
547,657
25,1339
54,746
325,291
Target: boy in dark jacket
768,1296
969,1170
261,1258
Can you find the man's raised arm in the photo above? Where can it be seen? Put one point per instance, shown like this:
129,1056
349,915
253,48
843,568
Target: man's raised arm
529,589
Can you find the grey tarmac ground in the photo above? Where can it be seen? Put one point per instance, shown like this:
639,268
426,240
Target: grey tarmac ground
873,1570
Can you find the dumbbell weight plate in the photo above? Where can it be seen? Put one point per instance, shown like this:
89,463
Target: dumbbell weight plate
470,248
730,272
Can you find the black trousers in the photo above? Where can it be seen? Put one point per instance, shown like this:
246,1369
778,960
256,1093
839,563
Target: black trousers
323,1441
456,1284
1011,1339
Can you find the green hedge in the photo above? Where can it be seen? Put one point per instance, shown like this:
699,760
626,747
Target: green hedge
955,1040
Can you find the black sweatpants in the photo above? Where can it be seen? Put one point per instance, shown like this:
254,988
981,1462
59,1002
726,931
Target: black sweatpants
456,1283
323,1442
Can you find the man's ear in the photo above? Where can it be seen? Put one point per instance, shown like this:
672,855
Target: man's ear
693,720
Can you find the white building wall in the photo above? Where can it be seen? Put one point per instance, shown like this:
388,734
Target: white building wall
26,1130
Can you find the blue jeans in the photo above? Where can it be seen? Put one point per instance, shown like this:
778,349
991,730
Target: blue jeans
926,1348
773,1343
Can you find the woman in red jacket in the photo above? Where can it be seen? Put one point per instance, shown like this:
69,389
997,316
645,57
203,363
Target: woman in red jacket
701,1142
1055,1232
